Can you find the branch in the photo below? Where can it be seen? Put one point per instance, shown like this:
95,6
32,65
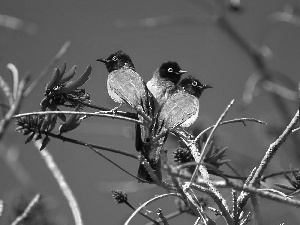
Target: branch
28,209
57,174
240,186
96,114
199,158
170,216
115,164
147,203
239,120
144,215
120,113
263,178
74,141
273,149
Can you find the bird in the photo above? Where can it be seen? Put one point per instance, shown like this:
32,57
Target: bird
124,85
180,109
164,81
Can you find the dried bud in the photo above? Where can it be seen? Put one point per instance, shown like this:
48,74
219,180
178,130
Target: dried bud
119,196
182,155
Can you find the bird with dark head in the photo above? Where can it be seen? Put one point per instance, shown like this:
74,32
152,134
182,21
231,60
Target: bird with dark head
124,84
126,87
117,60
182,107
165,80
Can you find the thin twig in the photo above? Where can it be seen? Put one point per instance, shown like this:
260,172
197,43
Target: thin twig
238,120
234,170
263,178
96,114
188,164
115,164
28,209
169,216
74,141
120,113
144,215
59,177
48,69
147,203
296,129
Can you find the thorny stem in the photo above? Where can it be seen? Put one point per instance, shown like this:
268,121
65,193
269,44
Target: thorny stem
147,203
199,159
273,149
144,215
241,187
97,114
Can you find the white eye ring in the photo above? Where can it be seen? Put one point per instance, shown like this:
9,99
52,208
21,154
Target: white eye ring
170,70
194,83
115,58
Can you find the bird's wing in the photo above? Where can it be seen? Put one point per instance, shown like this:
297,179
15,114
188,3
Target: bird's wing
128,85
181,109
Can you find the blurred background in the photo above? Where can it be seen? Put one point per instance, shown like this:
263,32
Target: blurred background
151,32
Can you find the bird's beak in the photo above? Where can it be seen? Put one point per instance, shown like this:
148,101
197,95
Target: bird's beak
206,86
181,72
102,60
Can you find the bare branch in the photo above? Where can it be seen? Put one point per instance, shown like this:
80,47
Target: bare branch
273,149
115,164
59,177
96,114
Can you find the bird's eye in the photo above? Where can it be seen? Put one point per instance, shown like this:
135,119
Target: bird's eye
194,83
115,58
170,70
